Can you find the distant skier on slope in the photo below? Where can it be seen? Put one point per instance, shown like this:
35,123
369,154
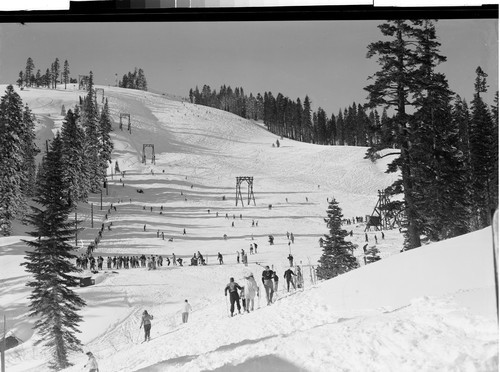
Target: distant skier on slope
233,288
186,309
146,321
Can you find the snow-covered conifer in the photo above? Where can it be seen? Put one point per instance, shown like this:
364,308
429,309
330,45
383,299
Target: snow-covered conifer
52,301
337,257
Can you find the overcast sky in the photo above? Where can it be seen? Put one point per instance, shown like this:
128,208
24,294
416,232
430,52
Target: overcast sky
323,59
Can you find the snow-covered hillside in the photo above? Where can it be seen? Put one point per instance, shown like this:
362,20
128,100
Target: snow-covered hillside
428,309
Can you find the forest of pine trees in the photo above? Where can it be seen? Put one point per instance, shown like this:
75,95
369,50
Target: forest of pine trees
50,79
73,167
447,153
294,119
134,80
86,152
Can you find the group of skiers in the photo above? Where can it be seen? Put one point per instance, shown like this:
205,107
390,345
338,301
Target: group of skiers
247,292
197,259
85,262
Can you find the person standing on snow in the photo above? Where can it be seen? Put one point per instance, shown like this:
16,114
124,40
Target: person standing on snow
233,288
186,308
276,280
146,321
300,278
251,288
267,280
288,277
91,363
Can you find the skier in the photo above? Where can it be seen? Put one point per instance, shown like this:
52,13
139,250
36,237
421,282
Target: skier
267,280
219,257
91,363
288,277
276,280
290,259
146,321
255,247
186,308
237,256
300,278
251,288
174,262
233,288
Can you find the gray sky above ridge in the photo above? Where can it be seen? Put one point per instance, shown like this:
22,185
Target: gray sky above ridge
323,59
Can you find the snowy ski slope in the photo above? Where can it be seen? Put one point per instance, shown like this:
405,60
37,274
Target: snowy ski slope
428,309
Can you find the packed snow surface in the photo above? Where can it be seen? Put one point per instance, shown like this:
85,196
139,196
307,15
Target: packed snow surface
430,309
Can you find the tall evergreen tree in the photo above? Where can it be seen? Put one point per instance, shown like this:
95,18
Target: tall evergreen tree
65,73
306,121
483,149
20,79
30,151
89,120
106,144
56,69
439,168
30,67
12,175
337,257
50,262
393,86
74,160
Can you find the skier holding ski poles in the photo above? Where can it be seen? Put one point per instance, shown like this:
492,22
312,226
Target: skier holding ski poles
146,321
234,297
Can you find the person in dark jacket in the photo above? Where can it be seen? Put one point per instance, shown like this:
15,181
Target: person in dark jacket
234,297
267,280
288,277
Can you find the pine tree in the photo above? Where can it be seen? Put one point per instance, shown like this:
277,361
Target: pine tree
394,86
20,80
483,149
65,73
47,78
306,121
74,169
30,151
337,257
30,67
50,262
439,171
38,78
106,145
89,121
12,175
55,72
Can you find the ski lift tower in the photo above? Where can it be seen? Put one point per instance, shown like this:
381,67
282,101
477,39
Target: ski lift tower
153,156
250,195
